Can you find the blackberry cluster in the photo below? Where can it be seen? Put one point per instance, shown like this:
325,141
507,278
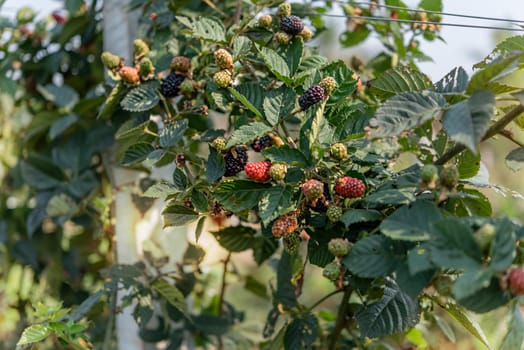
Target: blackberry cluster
260,143
321,205
236,160
311,96
291,25
170,86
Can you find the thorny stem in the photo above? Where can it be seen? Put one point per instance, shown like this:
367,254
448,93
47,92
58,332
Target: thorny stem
341,319
492,131
509,135
221,296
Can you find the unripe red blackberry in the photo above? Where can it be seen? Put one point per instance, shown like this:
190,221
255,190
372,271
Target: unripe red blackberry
334,213
181,64
339,151
284,10
339,246
313,189
219,143
258,171
516,281
170,86
223,78
278,171
332,271
282,38
349,187
291,25
140,48
329,84
223,59
236,160
129,75
265,21
449,177
284,225
261,142
111,61
311,96
306,34
292,243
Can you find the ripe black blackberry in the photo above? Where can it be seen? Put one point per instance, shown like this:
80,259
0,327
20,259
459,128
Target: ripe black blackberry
321,205
260,143
291,25
170,86
311,96
236,160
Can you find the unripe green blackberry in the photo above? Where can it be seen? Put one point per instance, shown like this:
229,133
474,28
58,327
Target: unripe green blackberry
284,10
219,143
265,21
311,96
332,271
129,75
181,64
25,15
329,84
334,213
339,246
449,177
313,189
306,34
111,61
187,87
484,236
428,176
282,38
146,68
223,59
223,78
291,25
292,243
339,151
140,48
278,171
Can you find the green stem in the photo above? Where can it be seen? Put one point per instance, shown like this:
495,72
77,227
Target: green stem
324,298
341,319
221,296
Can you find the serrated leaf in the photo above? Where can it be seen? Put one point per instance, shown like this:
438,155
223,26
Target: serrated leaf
515,335
468,164
179,179
275,63
455,82
173,133
393,313
137,153
286,154
236,238
399,79
209,29
161,189
140,99
346,84
277,104
241,46
486,299
239,195
405,111
172,295
510,46
467,322
375,256
216,165
467,121
274,202
293,54
301,333
245,101
265,247
411,223
178,215
247,133
354,216
391,196
515,159
34,334
200,201
494,70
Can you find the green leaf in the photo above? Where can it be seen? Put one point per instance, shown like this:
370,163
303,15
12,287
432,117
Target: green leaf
179,179
199,228
293,54
178,215
470,202
216,165
61,96
411,223
276,64
62,124
405,111
465,320
399,79
209,29
467,121
468,164
137,153
346,84
391,196
34,334
285,154
455,82
393,313
512,46
471,282
494,70
431,5
236,238
140,99
61,205
515,159
256,287
277,104
412,284
211,325
265,247
353,38
87,305
486,299
274,202
239,195
241,46
161,189
247,133
245,101
285,292
173,133
375,256
200,201
355,216
40,173
503,248
515,335
445,328
172,295
301,333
